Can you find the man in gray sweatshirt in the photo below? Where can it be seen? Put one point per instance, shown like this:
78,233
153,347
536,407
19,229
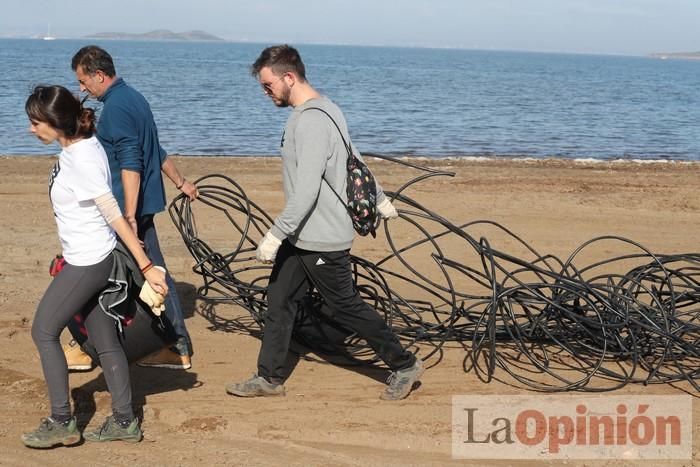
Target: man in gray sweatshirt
309,242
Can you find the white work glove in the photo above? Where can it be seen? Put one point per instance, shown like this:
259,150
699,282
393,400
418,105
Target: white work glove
267,248
387,210
152,298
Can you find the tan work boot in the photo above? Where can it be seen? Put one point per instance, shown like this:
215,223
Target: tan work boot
166,358
77,359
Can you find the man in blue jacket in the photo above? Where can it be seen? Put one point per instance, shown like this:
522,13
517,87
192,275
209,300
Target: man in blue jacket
128,132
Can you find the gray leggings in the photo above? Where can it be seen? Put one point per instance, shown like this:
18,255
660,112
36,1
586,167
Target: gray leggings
75,290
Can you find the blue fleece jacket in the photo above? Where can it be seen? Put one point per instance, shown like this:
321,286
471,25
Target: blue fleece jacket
129,135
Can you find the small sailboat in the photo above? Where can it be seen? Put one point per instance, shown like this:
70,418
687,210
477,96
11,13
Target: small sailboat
48,36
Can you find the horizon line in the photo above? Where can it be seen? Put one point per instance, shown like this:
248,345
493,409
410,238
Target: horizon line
346,44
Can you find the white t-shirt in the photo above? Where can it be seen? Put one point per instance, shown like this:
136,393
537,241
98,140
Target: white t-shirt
80,175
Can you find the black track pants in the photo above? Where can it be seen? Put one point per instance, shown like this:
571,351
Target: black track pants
294,272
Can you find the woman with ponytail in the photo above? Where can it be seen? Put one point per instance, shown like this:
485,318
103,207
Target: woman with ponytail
87,217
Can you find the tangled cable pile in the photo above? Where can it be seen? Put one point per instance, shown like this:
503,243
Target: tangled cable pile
550,324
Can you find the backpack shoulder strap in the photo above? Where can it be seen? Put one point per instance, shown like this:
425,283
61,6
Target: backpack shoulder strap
355,162
348,148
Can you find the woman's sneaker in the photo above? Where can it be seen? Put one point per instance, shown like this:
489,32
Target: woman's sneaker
111,430
52,433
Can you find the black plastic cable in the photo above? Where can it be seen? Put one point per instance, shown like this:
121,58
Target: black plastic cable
535,321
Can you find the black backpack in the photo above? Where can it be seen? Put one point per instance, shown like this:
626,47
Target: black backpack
361,190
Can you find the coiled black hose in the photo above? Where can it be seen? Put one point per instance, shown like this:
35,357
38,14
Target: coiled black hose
550,325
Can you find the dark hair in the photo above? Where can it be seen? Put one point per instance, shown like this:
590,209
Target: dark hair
63,111
281,59
93,59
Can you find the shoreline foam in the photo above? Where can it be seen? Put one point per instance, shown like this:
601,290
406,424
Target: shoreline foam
476,159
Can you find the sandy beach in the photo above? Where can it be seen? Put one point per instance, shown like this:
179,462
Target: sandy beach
331,415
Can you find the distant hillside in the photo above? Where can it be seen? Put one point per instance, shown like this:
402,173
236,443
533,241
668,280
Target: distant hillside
678,55
158,35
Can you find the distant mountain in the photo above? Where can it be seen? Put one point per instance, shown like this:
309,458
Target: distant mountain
678,55
158,35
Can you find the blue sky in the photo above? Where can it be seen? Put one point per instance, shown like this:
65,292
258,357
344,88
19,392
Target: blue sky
631,27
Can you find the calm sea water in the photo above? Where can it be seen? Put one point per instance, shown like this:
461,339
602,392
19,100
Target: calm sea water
397,101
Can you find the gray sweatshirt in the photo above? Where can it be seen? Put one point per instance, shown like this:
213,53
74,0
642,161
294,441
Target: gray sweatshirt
313,217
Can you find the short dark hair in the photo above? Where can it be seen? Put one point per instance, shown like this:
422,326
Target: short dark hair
91,59
281,59
63,111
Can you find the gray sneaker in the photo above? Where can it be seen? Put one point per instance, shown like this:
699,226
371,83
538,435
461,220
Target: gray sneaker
256,386
112,431
52,433
401,382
